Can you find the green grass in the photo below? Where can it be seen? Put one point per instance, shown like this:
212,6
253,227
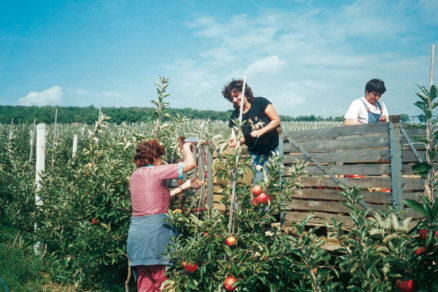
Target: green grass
19,267
22,271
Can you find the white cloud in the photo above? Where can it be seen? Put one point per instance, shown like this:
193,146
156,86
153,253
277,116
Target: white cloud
51,96
269,65
309,56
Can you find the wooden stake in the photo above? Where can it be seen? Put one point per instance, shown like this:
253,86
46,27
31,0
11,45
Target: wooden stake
40,166
54,140
75,145
233,191
432,56
32,139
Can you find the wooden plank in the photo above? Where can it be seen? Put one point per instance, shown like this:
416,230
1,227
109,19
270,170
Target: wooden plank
330,194
324,206
379,140
358,156
409,183
364,169
344,156
331,133
319,219
413,214
217,198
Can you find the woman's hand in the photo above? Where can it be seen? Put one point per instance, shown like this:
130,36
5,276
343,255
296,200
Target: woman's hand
383,118
188,146
257,133
232,142
193,183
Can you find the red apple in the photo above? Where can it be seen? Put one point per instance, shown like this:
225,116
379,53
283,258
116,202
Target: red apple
405,286
229,282
230,241
262,198
191,268
94,221
254,202
256,190
423,233
420,250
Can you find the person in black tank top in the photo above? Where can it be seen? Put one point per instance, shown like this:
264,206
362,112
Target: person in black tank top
261,123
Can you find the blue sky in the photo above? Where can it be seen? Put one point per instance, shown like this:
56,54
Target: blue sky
306,57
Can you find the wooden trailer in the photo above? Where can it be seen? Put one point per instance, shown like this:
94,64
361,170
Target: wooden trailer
376,158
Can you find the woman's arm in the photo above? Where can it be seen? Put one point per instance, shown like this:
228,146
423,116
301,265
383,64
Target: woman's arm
351,122
194,183
188,158
274,123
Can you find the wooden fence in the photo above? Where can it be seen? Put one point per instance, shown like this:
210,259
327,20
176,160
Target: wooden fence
376,158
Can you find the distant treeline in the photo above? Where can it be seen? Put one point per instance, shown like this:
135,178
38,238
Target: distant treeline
72,114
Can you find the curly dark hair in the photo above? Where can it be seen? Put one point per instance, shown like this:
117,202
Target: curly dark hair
236,86
147,152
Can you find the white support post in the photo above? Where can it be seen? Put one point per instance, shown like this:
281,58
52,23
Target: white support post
40,157
40,166
75,145
432,57
32,140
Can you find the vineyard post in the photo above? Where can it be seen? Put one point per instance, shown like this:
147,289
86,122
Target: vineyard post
54,140
40,160
32,139
209,176
233,191
201,173
432,173
432,57
10,130
75,145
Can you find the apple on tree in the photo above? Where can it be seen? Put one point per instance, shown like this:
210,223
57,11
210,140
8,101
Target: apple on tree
190,268
230,241
229,282
256,190
405,286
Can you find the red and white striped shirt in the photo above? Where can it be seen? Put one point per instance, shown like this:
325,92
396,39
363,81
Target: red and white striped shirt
148,188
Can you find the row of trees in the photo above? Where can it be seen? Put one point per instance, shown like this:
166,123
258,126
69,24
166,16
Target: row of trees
88,115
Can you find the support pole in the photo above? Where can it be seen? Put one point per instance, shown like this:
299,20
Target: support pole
75,145
201,173
209,177
40,166
32,139
233,191
432,57
54,140
396,162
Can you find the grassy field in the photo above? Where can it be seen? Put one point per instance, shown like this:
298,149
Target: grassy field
19,268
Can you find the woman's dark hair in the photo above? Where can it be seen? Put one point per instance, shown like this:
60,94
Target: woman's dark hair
236,86
375,85
147,152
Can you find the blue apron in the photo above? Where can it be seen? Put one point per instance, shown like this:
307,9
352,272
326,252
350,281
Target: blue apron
148,238
373,118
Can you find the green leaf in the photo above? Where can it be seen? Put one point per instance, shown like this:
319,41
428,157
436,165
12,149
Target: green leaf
415,205
422,169
432,154
433,92
421,105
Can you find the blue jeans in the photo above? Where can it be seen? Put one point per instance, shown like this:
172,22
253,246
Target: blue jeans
260,159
